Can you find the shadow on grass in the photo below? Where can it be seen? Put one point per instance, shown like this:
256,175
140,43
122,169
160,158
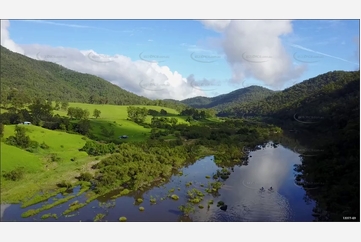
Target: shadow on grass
108,130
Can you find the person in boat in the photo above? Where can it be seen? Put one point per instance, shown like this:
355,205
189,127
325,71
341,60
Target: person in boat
262,188
270,188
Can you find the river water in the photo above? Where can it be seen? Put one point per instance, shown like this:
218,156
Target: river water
268,167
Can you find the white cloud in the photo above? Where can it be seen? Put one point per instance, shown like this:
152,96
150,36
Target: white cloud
254,50
140,77
216,25
6,41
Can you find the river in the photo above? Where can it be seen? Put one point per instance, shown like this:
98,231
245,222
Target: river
267,167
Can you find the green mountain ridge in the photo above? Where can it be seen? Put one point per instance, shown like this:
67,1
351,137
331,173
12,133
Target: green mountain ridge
35,78
295,97
221,102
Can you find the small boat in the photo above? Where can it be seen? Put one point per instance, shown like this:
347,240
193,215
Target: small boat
262,189
270,189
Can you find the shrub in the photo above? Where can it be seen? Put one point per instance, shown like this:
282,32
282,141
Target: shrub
14,175
85,176
44,146
62,127
54,157
64,184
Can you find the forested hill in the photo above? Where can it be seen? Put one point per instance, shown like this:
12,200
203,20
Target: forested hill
310,96
243,95
34,78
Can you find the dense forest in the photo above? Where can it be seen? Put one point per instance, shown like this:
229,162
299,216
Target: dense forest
296,98
27,76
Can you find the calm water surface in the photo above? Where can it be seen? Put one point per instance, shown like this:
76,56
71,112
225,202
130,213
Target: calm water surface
268,167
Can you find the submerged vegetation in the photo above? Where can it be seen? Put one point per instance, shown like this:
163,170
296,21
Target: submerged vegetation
49,215
174,197
122,219
98,217
187,209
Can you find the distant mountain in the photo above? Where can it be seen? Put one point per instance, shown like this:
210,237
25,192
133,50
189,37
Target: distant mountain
47,80
311,96
221,102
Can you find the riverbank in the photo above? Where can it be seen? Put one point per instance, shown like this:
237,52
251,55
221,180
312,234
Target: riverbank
200,191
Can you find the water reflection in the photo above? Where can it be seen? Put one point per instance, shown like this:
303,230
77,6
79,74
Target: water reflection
267,168
3,208
241,193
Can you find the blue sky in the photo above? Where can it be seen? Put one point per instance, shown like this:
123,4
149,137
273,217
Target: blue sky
191,47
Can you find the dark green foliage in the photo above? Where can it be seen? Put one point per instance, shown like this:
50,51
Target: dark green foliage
336,170
53,157
82,127
78,113
57,105
94,148
44,146
40,110
85,176
195,114
22,140
14,175
96,113
33,146
163,112
137,114
65,184
1,130
153,112
64,105
137,165
17,98
163,123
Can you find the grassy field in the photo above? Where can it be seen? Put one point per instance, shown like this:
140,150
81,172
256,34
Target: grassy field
117,112
13,157
115,117
40,172
63,144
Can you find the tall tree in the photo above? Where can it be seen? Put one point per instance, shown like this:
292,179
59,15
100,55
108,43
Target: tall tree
41,110
96,113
